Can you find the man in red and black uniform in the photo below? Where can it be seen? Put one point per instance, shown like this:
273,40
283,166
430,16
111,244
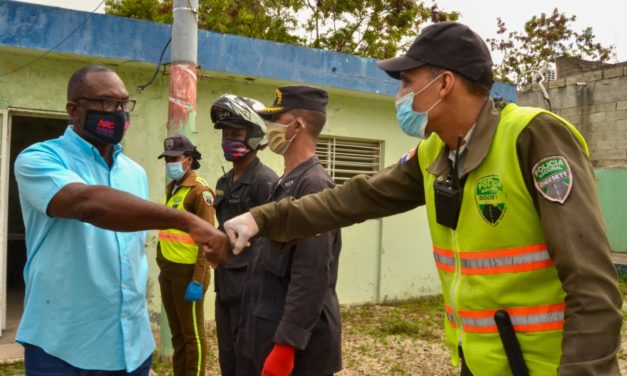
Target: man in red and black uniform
246,185
290,312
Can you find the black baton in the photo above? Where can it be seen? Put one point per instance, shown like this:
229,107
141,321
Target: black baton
510,343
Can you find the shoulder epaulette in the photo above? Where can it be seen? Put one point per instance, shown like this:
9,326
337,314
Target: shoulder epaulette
201,181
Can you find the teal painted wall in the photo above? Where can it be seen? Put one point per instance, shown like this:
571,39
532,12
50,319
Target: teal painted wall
611,183
381,259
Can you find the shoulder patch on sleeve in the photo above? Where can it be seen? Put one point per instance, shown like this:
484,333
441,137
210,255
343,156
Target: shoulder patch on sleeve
207,197
410,154
553,178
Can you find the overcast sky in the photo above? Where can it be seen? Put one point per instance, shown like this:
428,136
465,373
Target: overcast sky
606,17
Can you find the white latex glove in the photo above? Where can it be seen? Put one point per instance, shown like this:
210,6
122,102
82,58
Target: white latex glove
239,230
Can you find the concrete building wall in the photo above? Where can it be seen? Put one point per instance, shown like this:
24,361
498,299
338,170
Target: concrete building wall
611,183
569,66
596,103
388,258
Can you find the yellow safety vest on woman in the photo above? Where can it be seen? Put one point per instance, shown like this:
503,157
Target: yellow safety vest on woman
177,246
497,258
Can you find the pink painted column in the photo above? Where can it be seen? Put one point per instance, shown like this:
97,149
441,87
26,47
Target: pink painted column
182,99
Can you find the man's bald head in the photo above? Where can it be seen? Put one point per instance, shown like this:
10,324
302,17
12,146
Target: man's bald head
79,78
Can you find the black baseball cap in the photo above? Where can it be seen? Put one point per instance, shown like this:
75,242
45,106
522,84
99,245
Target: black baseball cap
176,145
296,97
448,45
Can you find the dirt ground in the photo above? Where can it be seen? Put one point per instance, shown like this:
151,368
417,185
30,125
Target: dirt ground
400,339
404,338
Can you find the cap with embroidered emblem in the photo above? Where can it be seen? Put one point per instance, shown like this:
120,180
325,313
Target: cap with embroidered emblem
176,145
296,97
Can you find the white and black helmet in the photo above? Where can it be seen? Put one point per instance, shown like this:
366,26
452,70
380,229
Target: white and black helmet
240,112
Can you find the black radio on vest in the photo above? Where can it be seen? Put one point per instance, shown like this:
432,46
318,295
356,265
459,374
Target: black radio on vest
448,195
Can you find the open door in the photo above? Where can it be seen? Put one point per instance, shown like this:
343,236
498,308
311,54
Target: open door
4,186
20,129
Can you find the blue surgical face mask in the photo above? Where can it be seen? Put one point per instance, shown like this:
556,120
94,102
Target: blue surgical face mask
174,170
411,122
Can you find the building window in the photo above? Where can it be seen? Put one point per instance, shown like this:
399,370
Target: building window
346,157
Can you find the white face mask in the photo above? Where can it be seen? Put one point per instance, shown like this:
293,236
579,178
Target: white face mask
276,137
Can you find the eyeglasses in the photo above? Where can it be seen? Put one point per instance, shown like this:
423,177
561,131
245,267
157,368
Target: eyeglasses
110,104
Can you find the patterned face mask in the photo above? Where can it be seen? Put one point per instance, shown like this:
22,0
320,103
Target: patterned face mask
234,149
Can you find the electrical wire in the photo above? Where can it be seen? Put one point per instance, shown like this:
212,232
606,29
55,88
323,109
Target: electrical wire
57,45
143,87
194,11
548,101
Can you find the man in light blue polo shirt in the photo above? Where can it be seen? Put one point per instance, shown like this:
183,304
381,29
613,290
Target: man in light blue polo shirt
85,211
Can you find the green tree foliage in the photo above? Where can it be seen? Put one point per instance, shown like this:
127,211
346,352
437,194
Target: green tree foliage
544,39
151,10
263,19
373,28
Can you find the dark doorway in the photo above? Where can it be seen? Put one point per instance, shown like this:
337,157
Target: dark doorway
25,131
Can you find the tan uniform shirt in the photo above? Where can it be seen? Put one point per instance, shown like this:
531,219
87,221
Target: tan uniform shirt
199,203
574,231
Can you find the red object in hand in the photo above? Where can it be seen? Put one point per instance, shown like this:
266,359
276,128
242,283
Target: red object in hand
280,361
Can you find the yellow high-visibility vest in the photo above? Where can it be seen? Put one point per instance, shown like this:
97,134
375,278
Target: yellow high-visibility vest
497,258
177,246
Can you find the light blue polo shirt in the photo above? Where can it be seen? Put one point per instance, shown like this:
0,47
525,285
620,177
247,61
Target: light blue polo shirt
85,296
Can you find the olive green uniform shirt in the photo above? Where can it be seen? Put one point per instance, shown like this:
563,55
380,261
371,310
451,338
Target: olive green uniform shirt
574,231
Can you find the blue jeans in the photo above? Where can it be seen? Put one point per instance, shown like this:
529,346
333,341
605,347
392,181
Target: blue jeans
39,363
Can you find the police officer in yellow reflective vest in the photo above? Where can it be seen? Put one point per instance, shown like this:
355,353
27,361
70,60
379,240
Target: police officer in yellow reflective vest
518,237
185,275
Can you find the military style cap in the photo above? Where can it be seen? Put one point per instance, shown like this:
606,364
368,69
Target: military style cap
448,45
176,145
296,97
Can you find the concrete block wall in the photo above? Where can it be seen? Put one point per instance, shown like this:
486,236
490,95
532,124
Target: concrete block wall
596,103
569,66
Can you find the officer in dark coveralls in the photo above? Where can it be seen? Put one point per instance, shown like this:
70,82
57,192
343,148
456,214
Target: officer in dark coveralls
290,312
243,187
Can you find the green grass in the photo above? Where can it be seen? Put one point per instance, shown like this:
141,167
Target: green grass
413,318
12,369
397,369
161,368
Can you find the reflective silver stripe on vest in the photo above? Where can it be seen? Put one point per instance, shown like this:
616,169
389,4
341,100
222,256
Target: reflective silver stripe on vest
451,318
444,259
532,319
493,262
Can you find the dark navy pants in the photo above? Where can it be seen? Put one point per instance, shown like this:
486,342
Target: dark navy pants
39,363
